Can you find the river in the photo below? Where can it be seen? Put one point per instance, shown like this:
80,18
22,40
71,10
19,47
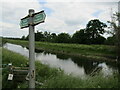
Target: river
71,65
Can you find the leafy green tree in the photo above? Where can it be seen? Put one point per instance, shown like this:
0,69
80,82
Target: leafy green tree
63,38
113,25
39,36
111,40
27,38
80,37
53,37
47,36
99,40
94,29
116,30
23,38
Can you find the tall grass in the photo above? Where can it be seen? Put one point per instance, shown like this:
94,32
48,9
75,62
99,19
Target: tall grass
65,81
55,78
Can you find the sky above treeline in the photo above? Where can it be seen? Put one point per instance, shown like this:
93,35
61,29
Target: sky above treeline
61,15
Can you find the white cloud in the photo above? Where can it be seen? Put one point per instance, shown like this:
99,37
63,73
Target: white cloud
69,17
12,12
65,16
82,0
8,25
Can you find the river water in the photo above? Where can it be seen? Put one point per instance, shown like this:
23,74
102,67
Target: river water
71,65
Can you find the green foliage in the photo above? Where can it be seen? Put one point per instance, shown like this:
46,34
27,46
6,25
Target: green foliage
16,60
99,40
11,57
111,40
80,37
53,37
55,78
23,38
114,25
94,29
68,81
39,36
94,51
90,35
43,72
63,38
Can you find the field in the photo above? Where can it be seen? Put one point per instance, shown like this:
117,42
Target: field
96,52
53,78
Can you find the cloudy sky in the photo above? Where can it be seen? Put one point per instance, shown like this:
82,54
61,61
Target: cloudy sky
61,15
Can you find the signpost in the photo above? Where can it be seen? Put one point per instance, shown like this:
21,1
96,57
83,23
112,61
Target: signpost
37,19
30,21
24,22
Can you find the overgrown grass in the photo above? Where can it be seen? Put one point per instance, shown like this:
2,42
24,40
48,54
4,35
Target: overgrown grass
43,72
100,52
65,81
55,78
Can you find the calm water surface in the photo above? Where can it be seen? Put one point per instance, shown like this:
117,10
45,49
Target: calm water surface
71,65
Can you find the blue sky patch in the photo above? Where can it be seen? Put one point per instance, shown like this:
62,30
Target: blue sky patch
42,1
47,10
97,13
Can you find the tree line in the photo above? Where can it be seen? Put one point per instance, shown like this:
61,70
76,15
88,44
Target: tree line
92,34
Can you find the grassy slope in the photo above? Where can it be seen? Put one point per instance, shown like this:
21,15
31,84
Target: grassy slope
100,52
54,78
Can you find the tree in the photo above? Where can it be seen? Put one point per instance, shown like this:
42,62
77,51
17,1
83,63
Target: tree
53,37
116,28
23,38
94,29
99,40
111,40
63,38
80,37
39,36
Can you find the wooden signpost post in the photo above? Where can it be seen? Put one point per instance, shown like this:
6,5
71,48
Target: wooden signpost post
30,21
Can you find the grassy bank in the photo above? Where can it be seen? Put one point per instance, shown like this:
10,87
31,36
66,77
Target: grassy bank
97,52
54,78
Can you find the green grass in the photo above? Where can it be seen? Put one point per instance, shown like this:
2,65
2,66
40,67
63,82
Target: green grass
43,72
97,52
64,81
54,78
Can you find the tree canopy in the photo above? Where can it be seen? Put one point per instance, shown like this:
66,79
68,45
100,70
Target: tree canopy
92,34
94,29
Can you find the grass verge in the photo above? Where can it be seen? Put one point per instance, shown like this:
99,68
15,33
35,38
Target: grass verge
52,77
96,52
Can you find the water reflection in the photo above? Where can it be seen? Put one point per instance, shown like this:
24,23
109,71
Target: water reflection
62,56
70,64
88,65
17,48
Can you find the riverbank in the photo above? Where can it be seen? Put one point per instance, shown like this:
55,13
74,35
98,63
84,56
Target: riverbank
93,52
52,77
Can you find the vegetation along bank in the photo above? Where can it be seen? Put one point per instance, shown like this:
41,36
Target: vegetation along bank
94,52
52,77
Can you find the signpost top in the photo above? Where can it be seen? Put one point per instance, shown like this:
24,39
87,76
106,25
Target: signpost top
38,18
